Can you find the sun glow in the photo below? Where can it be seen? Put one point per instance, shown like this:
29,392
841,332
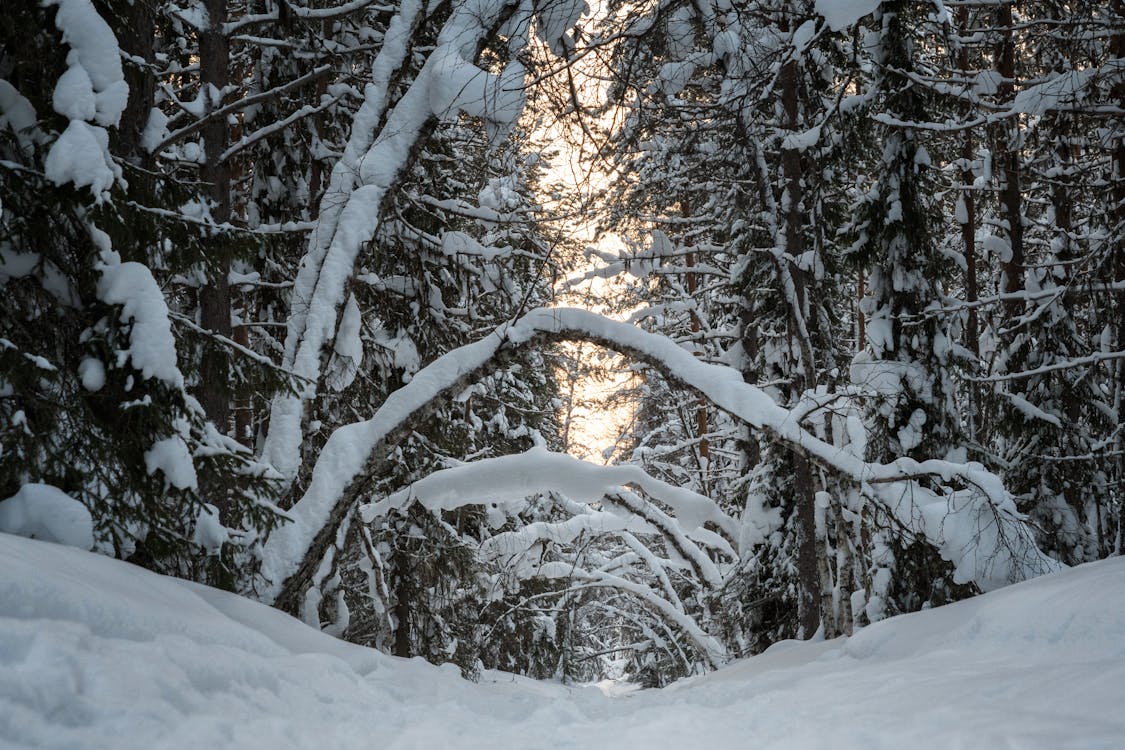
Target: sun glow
596,416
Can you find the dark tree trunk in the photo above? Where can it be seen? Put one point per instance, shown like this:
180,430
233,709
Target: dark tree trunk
138,39
402,605
214,297
808,590
1117,217
968,238
808,606
1008,150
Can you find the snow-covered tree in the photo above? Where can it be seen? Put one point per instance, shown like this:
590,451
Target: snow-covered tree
100,407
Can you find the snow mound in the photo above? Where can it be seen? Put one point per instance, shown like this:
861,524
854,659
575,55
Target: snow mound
41,511
96,653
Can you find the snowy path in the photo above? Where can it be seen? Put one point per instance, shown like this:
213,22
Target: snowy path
95,653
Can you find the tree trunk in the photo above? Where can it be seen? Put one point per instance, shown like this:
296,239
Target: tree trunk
808,606
403,596
1117,217
1008,150
696,329
808,589
214,296
829,614
846,578
138,40
968,221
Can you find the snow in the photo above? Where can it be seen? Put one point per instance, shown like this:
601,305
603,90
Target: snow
802,36
209,533
511,544
81,156
152,348
156,130
1029,411
840,14
95,54
680,39
674,76
459,86
1064,91
74,95
172,458
92,94
16,112
348,348
91,372
555,18
96,653
511,479
44,512
802,141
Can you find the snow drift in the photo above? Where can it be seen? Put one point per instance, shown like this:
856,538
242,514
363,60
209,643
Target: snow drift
96,653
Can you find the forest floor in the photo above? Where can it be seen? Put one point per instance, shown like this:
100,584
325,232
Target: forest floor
96,653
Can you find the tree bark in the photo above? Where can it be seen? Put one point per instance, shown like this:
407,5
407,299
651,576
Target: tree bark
968,236
808,589
1117,217
696,328
214,296
402,605
809,584
137,38
1008,150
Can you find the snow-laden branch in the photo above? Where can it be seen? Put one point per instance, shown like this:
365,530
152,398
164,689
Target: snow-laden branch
510,480
306,14
704,567
1067,364
241,104
368,170
91,94
512,544
656,565
973,523
712,650
338,472
988,542
276,127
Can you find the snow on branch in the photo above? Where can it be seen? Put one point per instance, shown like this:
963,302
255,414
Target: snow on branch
712,650
351,209
989,543
288,10
152,347
276,127
91,94
510,480
842,14
510,544
1067,364
241,104
971,519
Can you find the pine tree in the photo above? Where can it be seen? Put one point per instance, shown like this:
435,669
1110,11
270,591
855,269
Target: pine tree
101,408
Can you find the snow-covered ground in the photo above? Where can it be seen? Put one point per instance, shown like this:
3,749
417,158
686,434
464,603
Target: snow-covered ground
95,653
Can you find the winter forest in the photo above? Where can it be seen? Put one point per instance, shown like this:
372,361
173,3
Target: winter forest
617,341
